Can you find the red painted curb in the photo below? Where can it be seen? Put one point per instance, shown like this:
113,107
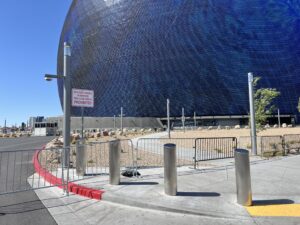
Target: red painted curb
72,187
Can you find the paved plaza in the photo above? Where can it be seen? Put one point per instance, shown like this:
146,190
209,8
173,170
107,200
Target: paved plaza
206,195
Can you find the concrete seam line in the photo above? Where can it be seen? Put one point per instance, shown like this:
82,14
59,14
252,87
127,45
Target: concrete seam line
72,187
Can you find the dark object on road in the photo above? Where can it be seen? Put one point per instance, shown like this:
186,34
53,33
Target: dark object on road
130,173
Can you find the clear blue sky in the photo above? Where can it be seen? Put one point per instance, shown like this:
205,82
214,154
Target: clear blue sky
30,31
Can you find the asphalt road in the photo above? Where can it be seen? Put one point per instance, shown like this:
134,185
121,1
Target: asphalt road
23,208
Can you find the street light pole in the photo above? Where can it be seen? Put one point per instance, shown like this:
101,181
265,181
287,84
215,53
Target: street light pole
252,114
195,121
168,115
67,101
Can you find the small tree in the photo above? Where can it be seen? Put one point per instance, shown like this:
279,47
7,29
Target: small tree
263,98
298,107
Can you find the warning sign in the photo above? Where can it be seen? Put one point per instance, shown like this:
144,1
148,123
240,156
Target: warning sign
82,98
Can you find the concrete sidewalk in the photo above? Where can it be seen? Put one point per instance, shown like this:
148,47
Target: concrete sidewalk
205,196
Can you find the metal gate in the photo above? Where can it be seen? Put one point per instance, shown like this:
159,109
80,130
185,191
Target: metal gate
24,170
214,148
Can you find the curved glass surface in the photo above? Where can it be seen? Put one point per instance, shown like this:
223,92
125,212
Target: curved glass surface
136,54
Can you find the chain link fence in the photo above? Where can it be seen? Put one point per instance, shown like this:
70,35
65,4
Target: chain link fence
17,169
149,151
24,170
291,143
214,148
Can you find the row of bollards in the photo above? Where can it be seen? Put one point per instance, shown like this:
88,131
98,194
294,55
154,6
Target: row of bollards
242,170
114,161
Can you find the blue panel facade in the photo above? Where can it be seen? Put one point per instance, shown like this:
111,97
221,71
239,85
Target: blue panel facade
136,54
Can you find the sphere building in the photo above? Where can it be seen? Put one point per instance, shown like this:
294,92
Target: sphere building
136,54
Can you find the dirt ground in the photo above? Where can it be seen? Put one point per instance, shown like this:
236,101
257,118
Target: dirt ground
121,137
233,132
97,154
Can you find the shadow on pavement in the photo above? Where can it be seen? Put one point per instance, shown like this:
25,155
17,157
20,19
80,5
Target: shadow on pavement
29,206
138,183
272,202
199,194
91,175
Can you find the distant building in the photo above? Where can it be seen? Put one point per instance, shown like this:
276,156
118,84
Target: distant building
45,129
54,125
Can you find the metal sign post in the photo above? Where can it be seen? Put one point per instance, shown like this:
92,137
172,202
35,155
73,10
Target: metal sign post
66,107
82,123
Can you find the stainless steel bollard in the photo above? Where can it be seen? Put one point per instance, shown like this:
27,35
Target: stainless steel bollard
243,178
170,170
114,162
80,159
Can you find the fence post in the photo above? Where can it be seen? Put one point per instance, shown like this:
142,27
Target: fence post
170,170
114,162
68,170
195,156
62,160
243,179
80,159
283,145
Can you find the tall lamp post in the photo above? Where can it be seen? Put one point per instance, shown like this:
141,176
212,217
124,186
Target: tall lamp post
252,114
67,101
168,118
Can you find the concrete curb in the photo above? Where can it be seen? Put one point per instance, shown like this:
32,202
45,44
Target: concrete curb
72,187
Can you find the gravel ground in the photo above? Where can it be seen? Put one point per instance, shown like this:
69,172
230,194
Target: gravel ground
97,154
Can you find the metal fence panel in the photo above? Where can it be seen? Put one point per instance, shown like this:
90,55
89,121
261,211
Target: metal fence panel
34,169
96,159
214,148
271,145
149,151
244,142
17,166
17,169
291,143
